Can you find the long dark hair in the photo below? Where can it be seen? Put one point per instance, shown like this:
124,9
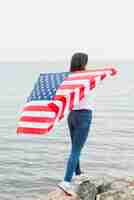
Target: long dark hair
78,62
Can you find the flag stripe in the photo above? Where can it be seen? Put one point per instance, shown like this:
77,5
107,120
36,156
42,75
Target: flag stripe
81,95
37,102
34,125
37,108
37,119
84,77
72,98
63,99
88,73
76,82
37,131
38,114
64,87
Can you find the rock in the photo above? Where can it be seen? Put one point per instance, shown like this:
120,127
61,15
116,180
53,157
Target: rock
115,195
87,191
84,191
116,189
58,194
103,188
123,184
103,184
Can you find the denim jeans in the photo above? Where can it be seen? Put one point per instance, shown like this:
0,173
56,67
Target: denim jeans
79,122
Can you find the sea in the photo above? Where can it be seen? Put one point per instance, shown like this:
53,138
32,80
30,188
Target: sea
32,166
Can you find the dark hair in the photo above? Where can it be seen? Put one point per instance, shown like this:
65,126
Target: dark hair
78,62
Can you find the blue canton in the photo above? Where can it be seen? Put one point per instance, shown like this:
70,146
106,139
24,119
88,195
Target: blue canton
46,86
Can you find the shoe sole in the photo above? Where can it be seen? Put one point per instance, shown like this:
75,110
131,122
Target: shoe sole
68,194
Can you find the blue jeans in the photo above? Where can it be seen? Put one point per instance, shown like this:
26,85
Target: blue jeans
79,122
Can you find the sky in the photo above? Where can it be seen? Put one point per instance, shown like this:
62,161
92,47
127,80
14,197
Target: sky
35,30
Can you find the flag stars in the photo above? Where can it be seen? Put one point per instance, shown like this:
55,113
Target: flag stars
47,85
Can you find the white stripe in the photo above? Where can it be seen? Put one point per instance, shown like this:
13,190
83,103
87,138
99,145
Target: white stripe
73,82
40,103
65,92
34,103
76,99
85,83
97,81
38,114
33,125
88,73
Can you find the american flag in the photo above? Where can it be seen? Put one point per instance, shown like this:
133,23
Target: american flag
54,95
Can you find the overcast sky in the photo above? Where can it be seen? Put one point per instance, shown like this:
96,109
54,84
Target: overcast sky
33,30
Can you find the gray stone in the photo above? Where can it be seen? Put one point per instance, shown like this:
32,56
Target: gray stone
115,195
103,184
116,189
102,188
87,191
58,194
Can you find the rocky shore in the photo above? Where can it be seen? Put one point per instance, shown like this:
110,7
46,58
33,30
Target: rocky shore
101,188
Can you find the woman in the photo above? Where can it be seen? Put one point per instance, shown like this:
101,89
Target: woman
79,122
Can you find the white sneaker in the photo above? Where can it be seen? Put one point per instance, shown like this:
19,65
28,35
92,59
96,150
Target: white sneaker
67,188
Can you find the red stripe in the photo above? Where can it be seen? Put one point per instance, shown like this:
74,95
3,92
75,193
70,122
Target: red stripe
69,78
37,119
97,70
86,77
71,103
103,76
37,108
114,71
92,83
74,86
81,94
64,102
38,131
54,107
